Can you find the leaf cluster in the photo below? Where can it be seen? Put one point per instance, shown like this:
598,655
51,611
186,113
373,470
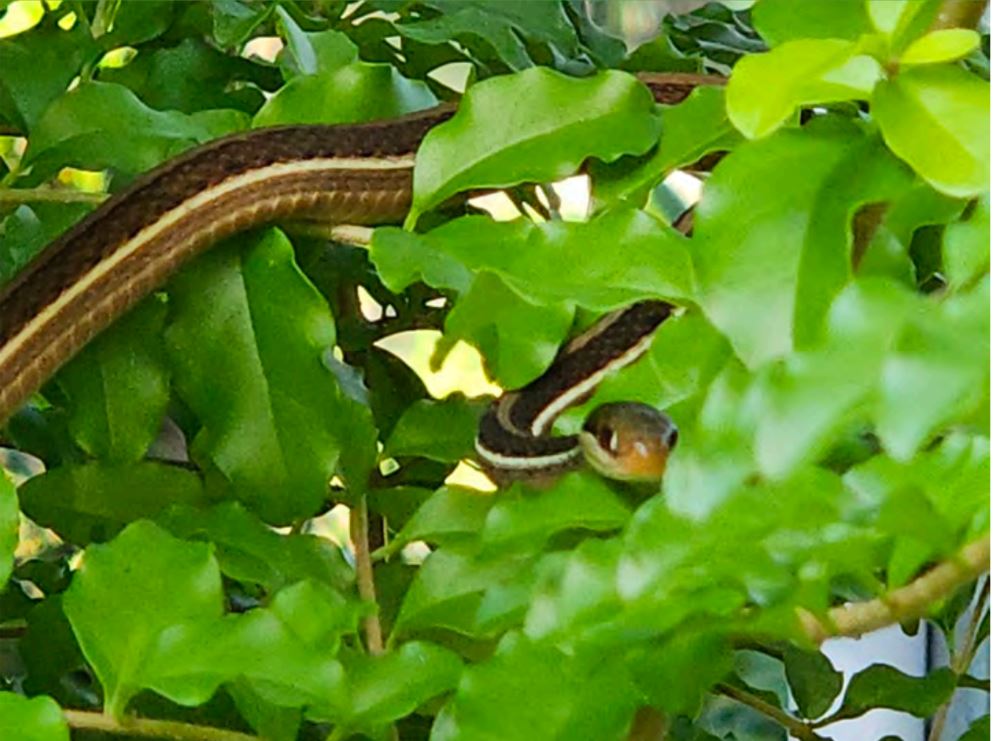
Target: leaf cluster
828,368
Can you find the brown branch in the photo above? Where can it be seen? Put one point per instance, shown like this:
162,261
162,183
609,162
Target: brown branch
905,603
799,729
149,728
49,195
359,526
960,14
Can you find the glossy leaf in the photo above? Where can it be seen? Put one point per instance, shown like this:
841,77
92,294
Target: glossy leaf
690,130
246,343
936,118
37,68
814,681
452,515
119,614
193,76
31,719
28,229
92,502
309,53
943,45
883,686
507,29
118,387
390,686
9,522
502,141
249,551
765,89
779,21
774,221
348,94
577,502
101,125
966,246
440,430
555,696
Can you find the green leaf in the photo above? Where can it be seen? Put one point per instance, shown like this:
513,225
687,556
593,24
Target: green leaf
936,374
193,76
517,344
978,731
235,20
451,516
31,719
448,591
92,502
603,264
309,53
28,229
936,119
119,613
390,686
690,130
316,614
250,552
191,660
943,45
779,21
766,89
775,221
100,125
353,93
506,28
135,23
37,67
903,21
554,696
246,341
523,518
965,248
440,430
814,681
9,522
118,387
883,686
534,126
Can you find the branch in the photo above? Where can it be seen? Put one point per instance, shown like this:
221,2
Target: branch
359,533
49,195
960,14
796,727
905,603
148,728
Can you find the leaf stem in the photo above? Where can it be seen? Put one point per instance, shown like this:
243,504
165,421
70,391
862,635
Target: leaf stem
962,659
911,601
359,527
49,195
799,729
150,728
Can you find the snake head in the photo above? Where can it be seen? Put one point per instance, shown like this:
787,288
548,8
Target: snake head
628,441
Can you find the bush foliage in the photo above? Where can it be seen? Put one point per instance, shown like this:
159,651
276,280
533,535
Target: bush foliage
828,370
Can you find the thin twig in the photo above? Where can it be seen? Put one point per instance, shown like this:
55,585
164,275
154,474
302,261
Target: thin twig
49,195
149,728
912,601
359,525
800,729
962,658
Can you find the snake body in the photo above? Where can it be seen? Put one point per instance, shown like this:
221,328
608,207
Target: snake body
340,174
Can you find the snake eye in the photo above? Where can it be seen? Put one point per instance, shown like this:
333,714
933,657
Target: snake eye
672,438
608,439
